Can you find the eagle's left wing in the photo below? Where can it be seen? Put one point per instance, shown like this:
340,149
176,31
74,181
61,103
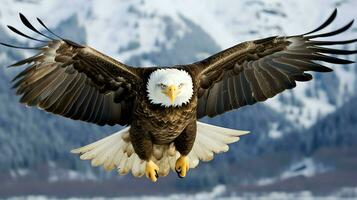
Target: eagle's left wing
257,70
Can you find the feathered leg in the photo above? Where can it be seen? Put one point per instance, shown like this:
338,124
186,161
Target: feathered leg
184,143
143,146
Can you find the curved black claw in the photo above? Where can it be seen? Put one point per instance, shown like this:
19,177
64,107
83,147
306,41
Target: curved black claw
156,174
179,173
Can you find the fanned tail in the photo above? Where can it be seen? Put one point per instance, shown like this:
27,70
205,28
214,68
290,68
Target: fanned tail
116,150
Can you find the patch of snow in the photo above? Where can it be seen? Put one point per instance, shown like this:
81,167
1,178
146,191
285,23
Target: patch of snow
274,132
23,172
19,173
342,194
347,83
266,181
58,174
306,167
68,175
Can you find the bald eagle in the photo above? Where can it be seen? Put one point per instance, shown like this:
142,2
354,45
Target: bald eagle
160,106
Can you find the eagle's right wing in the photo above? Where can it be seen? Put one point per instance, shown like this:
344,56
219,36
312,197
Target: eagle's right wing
75,81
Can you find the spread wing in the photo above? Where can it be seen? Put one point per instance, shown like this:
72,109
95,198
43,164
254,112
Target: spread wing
75,81
257,70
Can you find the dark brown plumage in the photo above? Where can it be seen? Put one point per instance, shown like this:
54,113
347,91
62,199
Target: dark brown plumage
78,82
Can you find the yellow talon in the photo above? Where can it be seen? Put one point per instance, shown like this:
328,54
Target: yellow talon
182,166
152,171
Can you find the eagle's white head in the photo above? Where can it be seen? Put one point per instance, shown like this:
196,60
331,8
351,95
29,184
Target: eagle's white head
170,87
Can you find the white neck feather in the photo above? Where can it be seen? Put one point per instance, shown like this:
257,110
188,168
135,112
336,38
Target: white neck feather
179,78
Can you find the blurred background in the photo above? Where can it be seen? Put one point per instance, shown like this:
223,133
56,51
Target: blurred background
302,143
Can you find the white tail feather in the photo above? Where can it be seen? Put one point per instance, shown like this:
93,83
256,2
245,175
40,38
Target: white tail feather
116,150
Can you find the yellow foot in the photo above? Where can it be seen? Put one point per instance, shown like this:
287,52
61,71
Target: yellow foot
151,171
182,166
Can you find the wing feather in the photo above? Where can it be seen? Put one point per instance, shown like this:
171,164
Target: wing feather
75,81
254,71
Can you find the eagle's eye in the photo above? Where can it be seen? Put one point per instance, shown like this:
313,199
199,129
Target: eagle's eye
162,86
181,85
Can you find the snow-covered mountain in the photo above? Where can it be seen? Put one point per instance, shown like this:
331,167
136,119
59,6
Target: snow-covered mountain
151,32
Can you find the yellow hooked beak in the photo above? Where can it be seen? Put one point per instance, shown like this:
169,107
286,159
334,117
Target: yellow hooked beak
171,92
